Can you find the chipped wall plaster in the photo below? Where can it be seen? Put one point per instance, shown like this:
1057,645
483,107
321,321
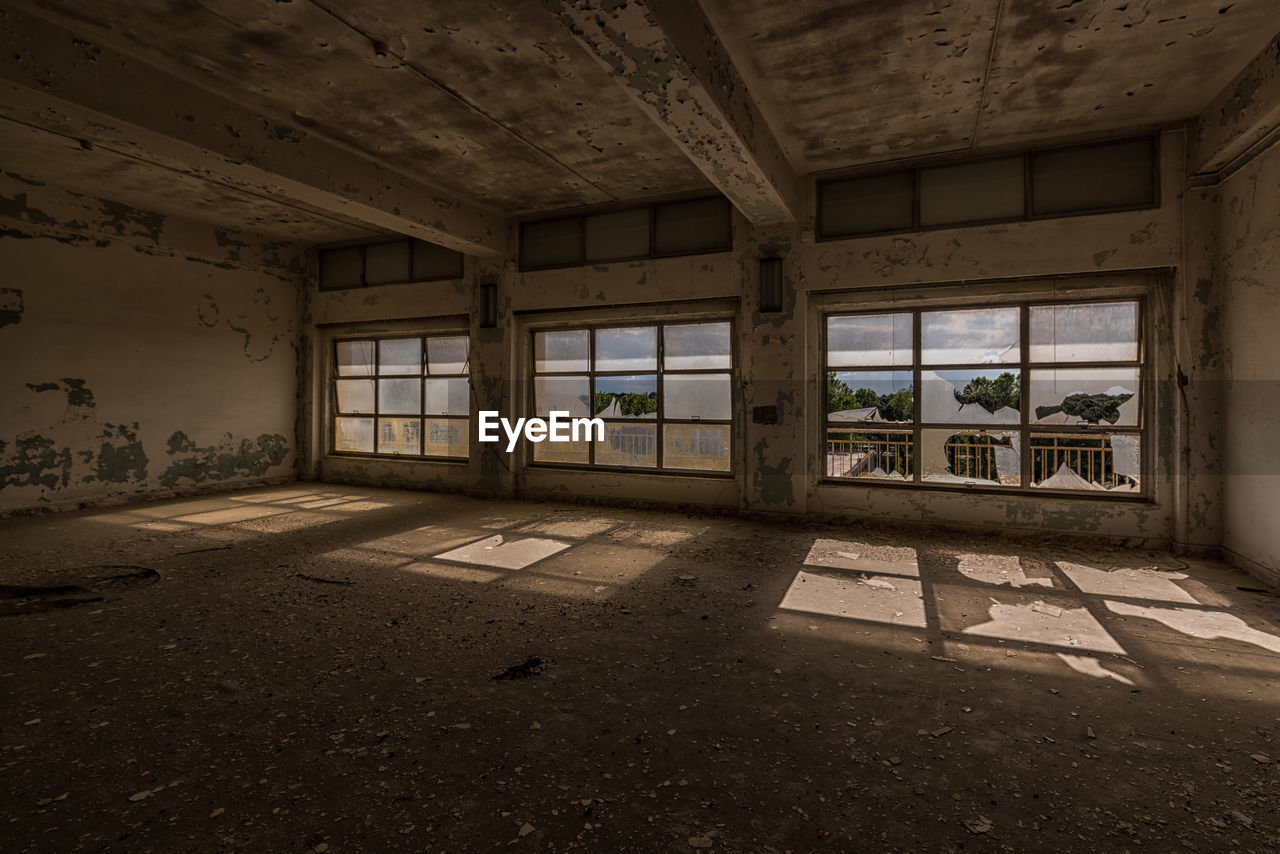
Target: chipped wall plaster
125,329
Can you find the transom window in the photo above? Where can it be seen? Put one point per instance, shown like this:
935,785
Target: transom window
664,392
401,397
1031,397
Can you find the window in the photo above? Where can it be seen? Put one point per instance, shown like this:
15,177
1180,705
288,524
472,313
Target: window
663,391
402,397
1014,397
389,263
1051,183
674,228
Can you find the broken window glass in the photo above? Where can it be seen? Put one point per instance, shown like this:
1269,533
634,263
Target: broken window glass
870,396
694,346
972,457
630,348
858,453
1088,462
1105,396
626,396
1085,332
971,396
869,340
986,336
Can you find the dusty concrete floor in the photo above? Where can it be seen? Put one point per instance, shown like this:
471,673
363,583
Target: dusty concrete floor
707,684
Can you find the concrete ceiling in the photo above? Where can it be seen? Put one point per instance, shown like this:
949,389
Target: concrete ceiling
441,119
849,83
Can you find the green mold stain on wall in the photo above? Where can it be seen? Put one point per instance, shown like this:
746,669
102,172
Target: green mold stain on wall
224,461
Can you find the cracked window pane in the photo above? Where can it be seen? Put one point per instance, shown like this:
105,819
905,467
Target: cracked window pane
626,397
1085,332
869,340
858,453
1086,462
1085,396
986,336
972,457
971,397
870,396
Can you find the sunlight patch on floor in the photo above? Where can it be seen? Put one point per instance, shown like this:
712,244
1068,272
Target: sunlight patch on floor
500,553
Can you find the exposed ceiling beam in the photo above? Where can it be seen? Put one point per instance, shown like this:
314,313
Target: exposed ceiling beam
74,87
1243,117
666,55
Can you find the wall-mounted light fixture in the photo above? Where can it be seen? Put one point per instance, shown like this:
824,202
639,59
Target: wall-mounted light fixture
488,305
770,285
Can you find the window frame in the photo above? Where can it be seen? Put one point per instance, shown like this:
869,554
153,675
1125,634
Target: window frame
1027,156
333,412
1024,428
659,420
364,247
651,253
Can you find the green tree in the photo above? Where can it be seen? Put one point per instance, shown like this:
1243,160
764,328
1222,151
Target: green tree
899,406
839,396
993,395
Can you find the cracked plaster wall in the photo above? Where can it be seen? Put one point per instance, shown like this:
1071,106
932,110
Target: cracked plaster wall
142,354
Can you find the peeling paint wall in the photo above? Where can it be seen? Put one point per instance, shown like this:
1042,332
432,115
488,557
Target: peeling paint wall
139,354
1248,302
